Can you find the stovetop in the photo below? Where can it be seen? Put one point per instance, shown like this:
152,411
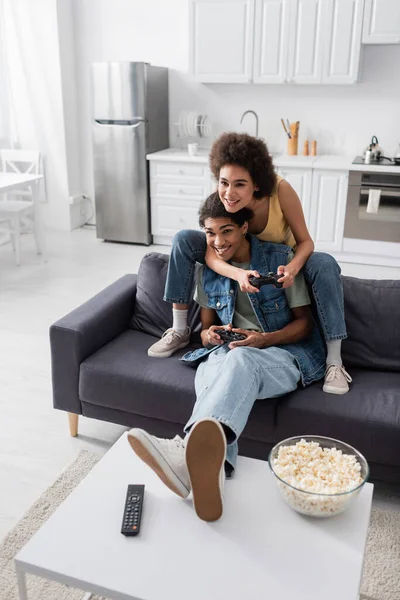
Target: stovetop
382,162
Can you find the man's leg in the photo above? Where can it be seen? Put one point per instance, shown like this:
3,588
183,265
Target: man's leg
227,385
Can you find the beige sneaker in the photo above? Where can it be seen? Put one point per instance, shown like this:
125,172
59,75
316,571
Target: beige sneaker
170,342
205,460
336,380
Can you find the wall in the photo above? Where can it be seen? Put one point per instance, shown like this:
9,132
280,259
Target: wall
341,118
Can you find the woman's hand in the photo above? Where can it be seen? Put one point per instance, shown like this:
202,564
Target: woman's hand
213,338
288,274
254,339
243,280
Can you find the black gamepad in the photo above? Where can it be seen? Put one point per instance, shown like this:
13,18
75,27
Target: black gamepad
229,336
266,279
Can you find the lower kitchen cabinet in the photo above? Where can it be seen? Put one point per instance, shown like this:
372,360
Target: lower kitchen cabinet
328,209
176,191
301,181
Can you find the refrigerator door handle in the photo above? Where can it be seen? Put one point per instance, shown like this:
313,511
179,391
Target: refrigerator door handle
135,122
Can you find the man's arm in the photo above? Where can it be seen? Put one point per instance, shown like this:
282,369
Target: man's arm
208,317
295,331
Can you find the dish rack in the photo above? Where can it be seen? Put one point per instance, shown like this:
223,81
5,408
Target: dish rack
192,127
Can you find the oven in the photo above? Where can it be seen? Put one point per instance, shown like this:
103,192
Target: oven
373,206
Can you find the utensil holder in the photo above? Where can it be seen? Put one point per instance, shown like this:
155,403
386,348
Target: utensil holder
293,142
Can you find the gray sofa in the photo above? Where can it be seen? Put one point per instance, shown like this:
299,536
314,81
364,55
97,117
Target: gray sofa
100,369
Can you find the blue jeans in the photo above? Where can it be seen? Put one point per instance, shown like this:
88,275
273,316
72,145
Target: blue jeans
321,272
230,381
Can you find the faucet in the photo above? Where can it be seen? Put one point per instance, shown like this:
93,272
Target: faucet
255,114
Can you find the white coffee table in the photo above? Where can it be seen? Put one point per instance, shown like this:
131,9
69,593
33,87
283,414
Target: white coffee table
259,549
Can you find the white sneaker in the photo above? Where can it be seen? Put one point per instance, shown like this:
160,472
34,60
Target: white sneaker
337,380
205,459
165,457
170,342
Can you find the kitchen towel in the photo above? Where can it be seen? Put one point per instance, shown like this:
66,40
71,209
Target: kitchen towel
374,198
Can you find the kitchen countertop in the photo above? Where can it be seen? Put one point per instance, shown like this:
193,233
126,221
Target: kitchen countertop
324,161
178,155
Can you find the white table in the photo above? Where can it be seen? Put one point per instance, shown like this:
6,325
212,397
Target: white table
259,549
14,181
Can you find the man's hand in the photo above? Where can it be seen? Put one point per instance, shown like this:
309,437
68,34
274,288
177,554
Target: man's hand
210,337
243,280
254,339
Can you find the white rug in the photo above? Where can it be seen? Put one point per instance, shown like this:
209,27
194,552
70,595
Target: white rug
381,577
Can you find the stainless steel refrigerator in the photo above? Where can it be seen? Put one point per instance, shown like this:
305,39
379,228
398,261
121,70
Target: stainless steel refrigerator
130,119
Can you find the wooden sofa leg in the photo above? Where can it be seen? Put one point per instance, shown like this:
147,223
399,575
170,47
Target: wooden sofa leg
73,424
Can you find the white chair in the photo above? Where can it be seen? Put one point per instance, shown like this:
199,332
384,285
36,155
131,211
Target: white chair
19,205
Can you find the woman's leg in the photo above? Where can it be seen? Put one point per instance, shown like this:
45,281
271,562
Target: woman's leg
188,247
322,273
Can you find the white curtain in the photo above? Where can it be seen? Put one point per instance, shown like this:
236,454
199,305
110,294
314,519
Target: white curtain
20,73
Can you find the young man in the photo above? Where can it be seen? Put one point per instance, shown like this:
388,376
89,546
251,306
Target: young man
281,346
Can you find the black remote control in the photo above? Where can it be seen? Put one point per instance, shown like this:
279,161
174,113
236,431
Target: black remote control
229,336
266,279
133,510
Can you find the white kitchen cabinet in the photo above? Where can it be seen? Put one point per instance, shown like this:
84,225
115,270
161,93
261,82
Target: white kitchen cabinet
343,29
301,181
306,41
381,22
328,208
221,40
272,19
176,191
295,41
325,41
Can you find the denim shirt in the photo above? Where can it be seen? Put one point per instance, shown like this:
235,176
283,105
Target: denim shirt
270,307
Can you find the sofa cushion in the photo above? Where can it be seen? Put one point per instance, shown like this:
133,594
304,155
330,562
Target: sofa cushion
151,314
120,376
367,417
372,311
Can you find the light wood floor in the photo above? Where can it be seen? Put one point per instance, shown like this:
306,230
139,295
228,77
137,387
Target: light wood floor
34,440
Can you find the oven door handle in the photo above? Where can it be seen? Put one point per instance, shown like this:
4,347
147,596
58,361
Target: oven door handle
384,192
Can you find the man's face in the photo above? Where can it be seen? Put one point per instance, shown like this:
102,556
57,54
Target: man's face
225,237
235,188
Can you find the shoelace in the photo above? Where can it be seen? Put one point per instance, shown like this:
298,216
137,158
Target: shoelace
177,443
170,335
335,371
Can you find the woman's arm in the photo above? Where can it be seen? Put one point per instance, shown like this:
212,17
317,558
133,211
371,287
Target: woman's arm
293,212
223,268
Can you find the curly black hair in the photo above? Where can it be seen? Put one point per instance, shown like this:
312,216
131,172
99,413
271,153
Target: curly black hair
248,152
212,208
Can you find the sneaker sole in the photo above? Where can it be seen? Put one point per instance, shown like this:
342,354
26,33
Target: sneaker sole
167,353
205,456
158,465
333,390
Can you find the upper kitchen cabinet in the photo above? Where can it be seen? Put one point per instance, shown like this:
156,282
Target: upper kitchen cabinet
381,22
306,41
271,37
295,41
325,41
221,40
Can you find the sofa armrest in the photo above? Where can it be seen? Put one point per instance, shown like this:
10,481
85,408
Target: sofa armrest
84,331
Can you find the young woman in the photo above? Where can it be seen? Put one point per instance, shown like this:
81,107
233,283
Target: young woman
246,177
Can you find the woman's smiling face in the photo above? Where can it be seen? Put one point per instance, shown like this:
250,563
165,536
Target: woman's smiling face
235,187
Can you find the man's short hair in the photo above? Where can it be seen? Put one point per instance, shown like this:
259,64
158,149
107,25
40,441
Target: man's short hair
212,208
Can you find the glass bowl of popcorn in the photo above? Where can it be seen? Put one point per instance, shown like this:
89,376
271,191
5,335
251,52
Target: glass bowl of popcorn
318,476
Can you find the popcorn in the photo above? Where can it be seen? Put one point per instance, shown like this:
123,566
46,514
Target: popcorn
320,471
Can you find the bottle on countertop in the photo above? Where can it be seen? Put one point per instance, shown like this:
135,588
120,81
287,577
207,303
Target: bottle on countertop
305,148
314,148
